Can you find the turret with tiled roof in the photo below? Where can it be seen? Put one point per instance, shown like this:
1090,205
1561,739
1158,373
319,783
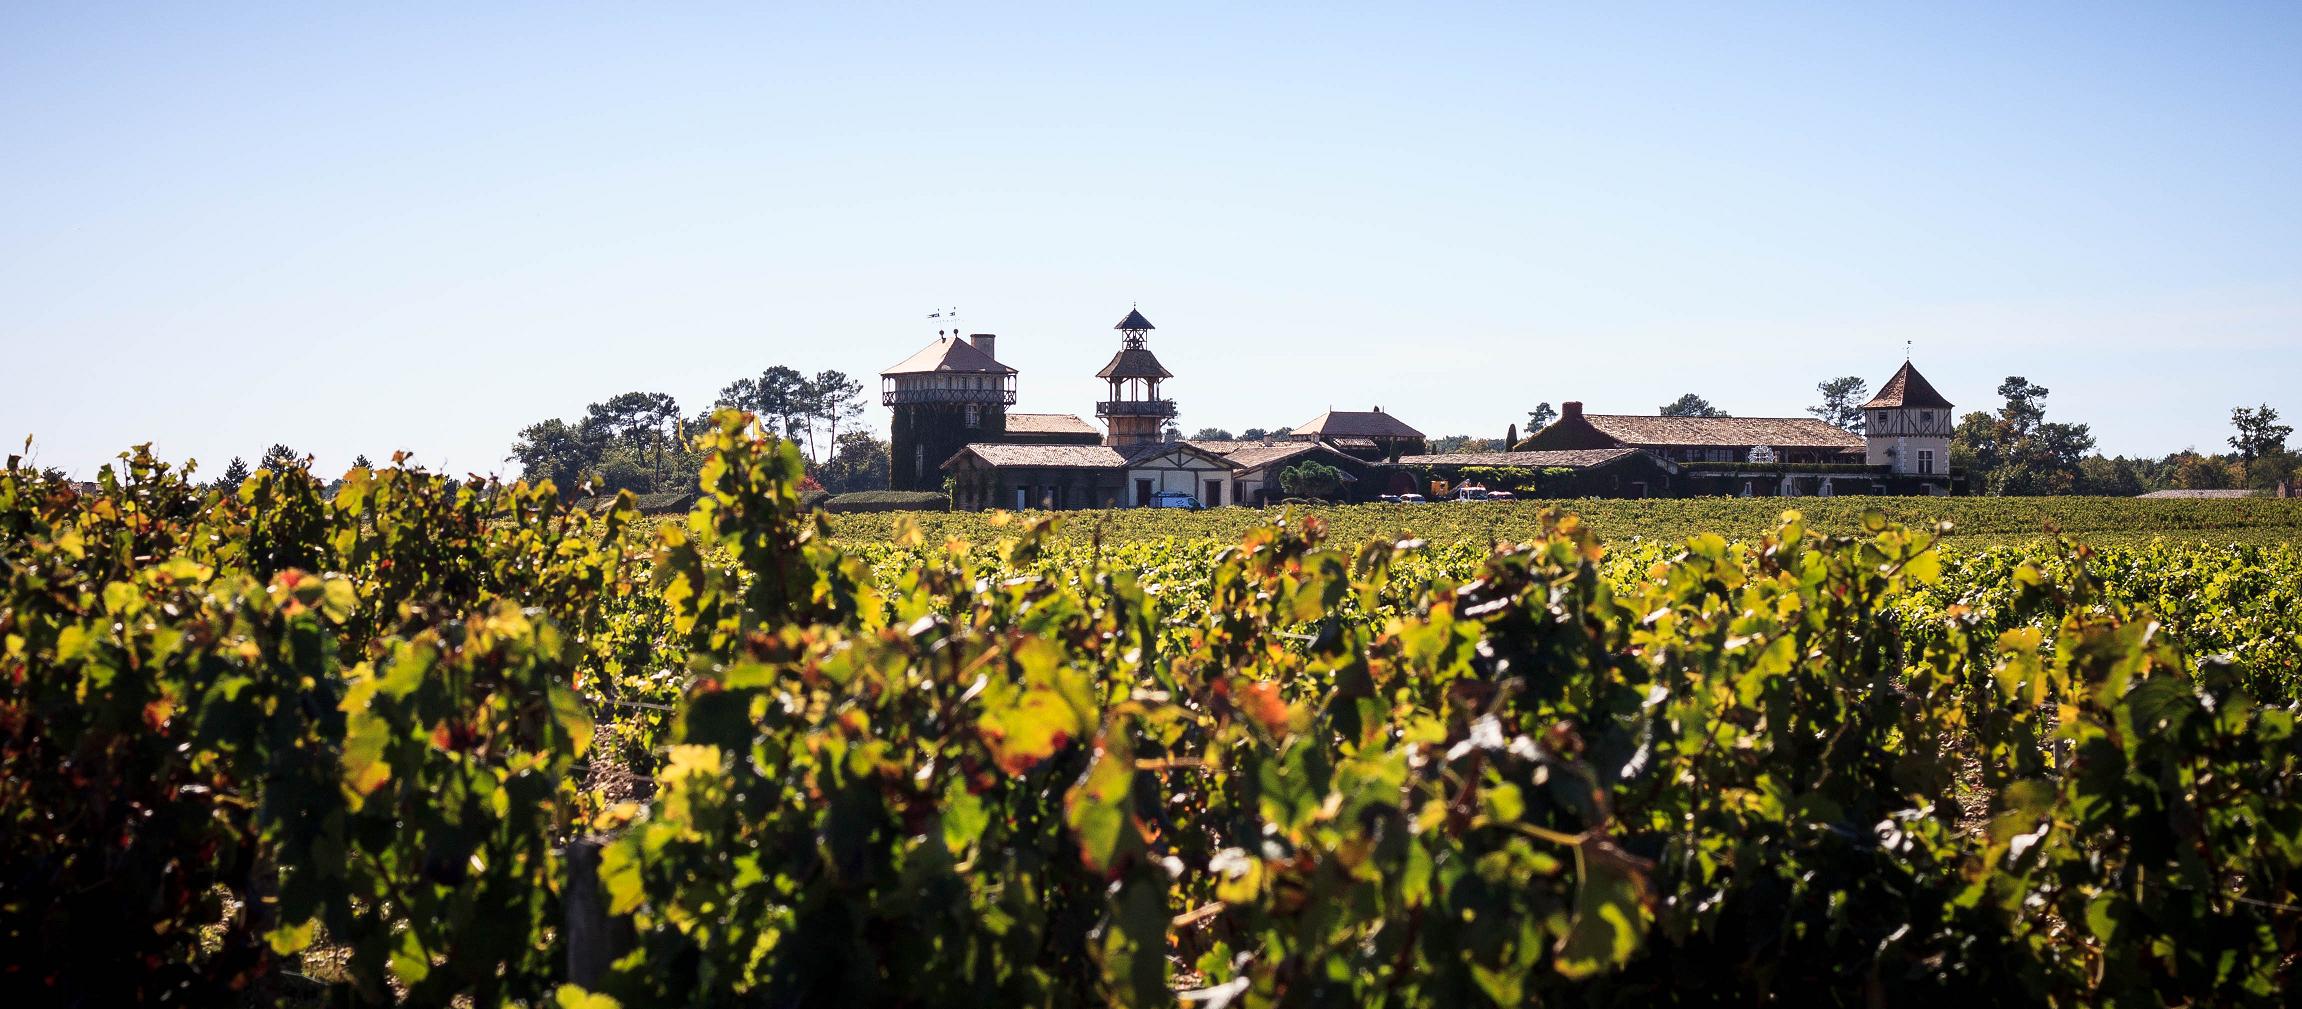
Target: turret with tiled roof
1907,388
1906,427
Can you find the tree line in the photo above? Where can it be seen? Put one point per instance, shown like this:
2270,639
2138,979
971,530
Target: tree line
639,441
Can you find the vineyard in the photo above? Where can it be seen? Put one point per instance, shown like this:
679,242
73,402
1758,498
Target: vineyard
418,742
1975,521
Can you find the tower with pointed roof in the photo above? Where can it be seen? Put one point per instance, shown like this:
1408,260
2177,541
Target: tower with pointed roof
1134,410
950,393
1906,427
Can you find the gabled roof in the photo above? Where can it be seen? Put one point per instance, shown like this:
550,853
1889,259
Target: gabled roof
1044,456
1048,423
1134,320
1136,363
949,356
1356,424
1257,455
1152,449
1644,430
1573,458
1906,388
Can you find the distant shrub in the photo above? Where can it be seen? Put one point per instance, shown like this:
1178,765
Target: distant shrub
670,502
1311,479
888,501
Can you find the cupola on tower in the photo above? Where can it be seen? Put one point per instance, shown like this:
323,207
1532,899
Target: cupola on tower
951,393
1906,427
1134,410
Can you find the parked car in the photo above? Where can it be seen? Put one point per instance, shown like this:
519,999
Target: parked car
1387,498
1469,492
1501,495
1413,499
1176,499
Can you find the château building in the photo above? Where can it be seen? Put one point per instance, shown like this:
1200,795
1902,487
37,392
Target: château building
950,413
953,422
954,393
1904,448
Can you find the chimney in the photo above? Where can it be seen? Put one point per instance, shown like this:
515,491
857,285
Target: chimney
985,342
1571,410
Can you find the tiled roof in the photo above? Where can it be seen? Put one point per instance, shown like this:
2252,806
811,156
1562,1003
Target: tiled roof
1906,388
1048,423
1573,458
1357,424
1137,363
1134,320
1046,456
949,356
1779,432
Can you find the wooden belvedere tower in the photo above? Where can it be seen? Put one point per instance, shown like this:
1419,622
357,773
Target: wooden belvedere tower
1134,410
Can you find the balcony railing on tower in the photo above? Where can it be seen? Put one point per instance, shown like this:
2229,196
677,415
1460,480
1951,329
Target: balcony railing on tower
1136,408
895,391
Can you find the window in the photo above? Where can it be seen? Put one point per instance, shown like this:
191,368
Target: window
974,415
1926,416
1926,462
919,461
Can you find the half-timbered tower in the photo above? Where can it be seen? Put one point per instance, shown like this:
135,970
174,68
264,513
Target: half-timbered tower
1906,427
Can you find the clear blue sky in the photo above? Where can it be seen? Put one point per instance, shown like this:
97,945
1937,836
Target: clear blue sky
360,230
